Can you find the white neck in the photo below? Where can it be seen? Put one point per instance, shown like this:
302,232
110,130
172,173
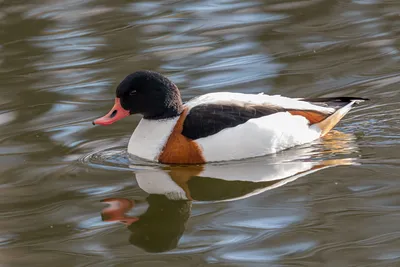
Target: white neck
150,136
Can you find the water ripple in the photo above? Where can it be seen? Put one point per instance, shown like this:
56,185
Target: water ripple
332,202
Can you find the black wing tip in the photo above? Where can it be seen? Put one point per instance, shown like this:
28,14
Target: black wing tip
359,98
336,99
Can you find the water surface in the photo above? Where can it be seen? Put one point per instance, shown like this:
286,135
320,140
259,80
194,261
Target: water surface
71,196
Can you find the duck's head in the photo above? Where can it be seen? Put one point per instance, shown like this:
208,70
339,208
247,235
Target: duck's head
144,92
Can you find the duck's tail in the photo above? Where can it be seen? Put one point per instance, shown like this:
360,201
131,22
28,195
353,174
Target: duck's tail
343,104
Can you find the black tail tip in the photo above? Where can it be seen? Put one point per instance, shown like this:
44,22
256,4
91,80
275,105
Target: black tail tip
345,99
359,98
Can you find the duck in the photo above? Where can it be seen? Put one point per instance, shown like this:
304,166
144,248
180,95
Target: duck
218,126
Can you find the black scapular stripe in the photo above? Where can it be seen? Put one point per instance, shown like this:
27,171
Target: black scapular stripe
208,119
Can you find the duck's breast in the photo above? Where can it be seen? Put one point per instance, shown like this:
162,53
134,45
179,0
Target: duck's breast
150,136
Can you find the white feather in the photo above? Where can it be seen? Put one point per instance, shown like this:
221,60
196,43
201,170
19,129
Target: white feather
149,137
257,137
277,100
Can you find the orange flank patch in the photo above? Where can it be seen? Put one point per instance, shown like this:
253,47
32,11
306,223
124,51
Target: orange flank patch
180,149
311,115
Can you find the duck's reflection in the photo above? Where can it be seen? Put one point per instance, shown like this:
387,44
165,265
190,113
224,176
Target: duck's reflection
172,189
159,228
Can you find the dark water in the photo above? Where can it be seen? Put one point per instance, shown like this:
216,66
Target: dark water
331,203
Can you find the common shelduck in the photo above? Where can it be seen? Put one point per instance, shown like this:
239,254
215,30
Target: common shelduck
217,126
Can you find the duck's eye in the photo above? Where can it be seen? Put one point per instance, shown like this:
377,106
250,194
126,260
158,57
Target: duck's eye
133,92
